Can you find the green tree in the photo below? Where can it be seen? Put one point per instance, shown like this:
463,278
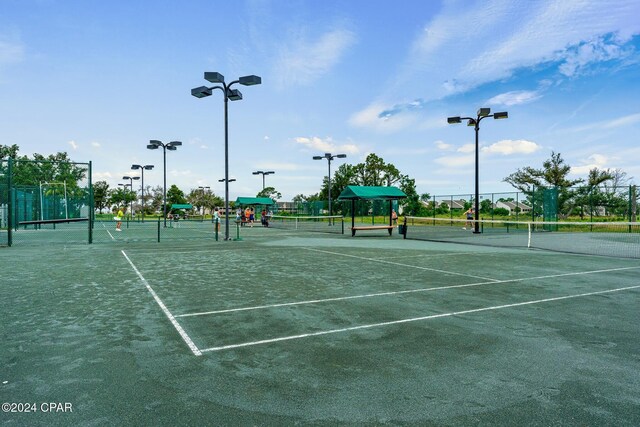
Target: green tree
175,196
270,192
553,173
412,205
101,195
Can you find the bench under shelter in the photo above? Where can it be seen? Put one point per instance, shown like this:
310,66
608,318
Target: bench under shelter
360,192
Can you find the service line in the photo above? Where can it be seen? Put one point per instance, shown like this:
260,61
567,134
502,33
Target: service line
415,319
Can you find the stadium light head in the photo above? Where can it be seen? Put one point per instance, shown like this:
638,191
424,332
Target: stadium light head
135,178
250,80
148,167
201,92
471,122
234,94
171,147
269,172
126,177
174,144
483,112
318,157
213,77
152,147
501,115
256,172
341,156
135,167
454,120
155,142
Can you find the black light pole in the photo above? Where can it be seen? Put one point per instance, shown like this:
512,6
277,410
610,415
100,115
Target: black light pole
329,157
142,169
124,189
263,173
154,144
475,122
131,178
229,94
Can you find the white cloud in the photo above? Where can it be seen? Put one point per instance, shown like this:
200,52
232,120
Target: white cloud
281,166
326,145
622,121
95,144
467,148
515,97
597,161
572,34
510,146
371,117
73,145
303,61
455,161
442,145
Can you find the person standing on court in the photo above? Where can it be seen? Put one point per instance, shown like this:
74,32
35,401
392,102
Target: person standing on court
394,216
469,214
216,219
118,218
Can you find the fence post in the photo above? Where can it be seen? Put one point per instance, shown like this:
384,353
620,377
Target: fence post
158,229
10,203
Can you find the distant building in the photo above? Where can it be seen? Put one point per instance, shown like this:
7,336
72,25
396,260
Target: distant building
513,207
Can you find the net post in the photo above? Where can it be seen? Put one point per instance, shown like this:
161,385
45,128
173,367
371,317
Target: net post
158,229
215,227
92,209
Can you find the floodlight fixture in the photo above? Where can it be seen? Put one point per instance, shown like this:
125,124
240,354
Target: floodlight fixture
201,92
142,168
171,146
483,113
233,95
250,80
329,157
213,77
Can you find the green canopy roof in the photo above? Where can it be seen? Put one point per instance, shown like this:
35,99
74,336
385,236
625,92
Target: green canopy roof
181,206
254,201
368,192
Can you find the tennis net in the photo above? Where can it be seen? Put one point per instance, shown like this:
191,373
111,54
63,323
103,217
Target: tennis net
616,239
323,224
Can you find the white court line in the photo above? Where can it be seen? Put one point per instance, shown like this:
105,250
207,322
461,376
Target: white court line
430,255
400,264
408,291
414,319
108,232
166,311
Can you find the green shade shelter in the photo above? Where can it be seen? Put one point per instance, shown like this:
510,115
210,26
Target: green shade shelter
355,192
244,201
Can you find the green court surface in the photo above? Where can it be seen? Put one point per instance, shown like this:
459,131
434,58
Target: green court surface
294,328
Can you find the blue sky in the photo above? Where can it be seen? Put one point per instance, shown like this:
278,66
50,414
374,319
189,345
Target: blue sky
100,79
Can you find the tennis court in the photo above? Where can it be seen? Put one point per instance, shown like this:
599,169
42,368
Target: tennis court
289,327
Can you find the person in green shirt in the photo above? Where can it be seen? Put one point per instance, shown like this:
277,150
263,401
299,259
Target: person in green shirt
119,217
